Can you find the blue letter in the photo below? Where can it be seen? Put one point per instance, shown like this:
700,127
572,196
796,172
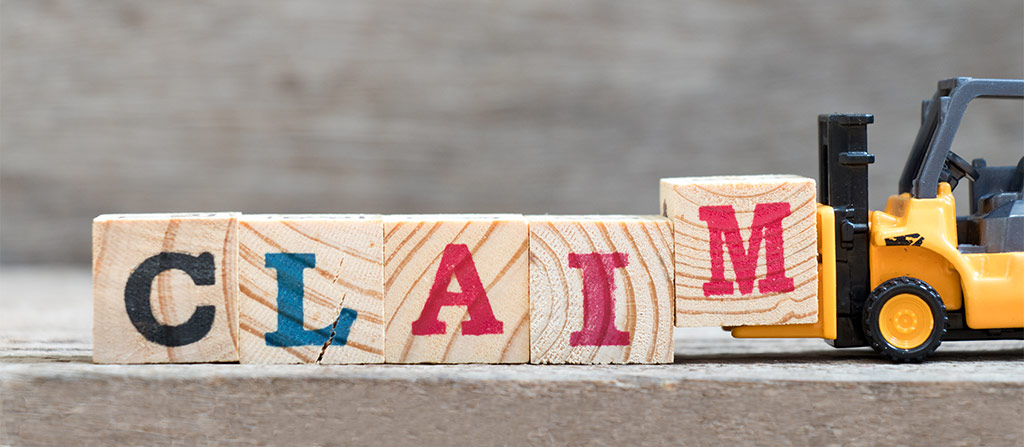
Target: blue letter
290,332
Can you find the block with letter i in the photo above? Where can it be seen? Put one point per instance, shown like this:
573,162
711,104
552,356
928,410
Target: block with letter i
600,289
311,289
745,249
164,288
456,289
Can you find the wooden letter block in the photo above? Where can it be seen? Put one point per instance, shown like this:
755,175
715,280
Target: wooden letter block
312,289
600,289
745,249
164,288
456,289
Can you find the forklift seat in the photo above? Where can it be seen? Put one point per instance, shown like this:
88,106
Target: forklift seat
996,222
994,180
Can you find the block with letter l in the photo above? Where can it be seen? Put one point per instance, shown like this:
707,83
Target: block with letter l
311,289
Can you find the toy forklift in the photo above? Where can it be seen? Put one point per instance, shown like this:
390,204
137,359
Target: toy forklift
905,279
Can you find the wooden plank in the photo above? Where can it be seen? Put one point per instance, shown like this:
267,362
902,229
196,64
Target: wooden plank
744,400
600,289
311,288
745,249
749,391
456,289
164,288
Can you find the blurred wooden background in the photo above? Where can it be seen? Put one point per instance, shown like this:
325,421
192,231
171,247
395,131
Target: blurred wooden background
456,105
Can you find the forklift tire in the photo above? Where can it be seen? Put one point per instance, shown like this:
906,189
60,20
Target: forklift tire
904,319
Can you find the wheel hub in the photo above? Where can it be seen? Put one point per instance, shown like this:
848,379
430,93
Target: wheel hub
905,321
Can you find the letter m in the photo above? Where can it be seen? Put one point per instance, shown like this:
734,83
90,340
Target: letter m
724,232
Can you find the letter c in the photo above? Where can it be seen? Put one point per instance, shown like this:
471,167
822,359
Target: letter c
136,298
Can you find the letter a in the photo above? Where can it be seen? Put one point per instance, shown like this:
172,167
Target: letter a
598,302
724,231
457,261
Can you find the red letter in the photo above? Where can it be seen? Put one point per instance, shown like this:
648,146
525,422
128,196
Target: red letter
598,302
767,225
458,261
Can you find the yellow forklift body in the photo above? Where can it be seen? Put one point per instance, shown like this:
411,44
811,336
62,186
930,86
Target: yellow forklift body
826,325
917,238
995,297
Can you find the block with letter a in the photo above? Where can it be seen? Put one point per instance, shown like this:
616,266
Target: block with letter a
745,249
456,289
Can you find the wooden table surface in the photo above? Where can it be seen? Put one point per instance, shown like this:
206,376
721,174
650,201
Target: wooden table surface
718,390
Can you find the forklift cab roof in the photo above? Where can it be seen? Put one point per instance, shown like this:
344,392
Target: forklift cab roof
940,118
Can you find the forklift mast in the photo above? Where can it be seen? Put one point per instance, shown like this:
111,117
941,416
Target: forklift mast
843,162
940,119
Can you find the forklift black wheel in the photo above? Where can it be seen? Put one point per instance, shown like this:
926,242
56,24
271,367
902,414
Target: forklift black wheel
904,319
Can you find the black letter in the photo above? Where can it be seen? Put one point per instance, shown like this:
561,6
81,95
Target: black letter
136,298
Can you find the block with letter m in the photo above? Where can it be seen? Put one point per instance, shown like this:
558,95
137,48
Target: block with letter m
745,249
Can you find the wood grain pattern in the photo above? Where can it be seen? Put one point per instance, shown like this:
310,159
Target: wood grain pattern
348,274
413,249
120,243
642,291
682,199
743,391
